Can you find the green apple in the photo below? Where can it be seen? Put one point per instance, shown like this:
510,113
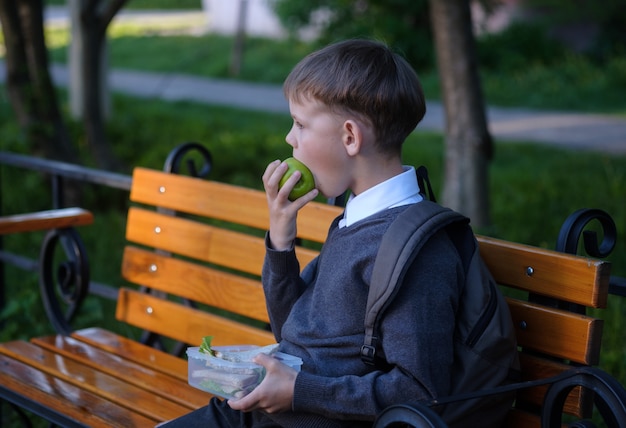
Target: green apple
306,182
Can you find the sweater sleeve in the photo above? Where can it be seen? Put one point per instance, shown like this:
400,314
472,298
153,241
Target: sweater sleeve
282,284
417,340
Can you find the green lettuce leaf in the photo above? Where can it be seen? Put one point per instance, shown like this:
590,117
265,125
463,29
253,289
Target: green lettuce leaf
205,346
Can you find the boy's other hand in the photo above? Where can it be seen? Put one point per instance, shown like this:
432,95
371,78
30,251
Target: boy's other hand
275,393
282,211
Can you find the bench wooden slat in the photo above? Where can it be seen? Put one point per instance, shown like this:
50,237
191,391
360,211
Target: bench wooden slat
555,332
202,284
520,419
119,392
133,351
578,401
185,324
204,242
566,277
73,402
44,220
133,373
223,201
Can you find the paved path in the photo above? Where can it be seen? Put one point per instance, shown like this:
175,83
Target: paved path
571,130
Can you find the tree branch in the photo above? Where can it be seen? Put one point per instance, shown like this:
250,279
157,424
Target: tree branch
107,14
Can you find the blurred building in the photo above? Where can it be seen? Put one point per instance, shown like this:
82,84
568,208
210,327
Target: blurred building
254,17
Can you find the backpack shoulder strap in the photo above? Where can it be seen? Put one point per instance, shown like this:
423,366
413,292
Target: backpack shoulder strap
399,247
423,181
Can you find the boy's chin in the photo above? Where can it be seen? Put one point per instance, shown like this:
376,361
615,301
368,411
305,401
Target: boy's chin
334,197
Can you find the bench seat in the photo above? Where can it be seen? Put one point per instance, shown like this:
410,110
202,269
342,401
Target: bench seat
98,378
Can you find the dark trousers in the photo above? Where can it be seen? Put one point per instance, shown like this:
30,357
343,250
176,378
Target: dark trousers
218,414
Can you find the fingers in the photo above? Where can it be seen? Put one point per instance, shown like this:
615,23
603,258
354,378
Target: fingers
264,360
245,404
272,177
275,393
252,401
271,182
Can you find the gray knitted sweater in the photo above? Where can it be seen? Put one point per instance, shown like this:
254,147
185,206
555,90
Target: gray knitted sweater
319,317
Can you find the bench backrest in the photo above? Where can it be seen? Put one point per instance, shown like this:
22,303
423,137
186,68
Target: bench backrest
549,309
203,243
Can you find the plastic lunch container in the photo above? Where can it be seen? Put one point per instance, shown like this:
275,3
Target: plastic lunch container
229,379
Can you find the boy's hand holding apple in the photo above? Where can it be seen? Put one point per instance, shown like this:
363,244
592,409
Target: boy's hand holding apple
305,184
283,208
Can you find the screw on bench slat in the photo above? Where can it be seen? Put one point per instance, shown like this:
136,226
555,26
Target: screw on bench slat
529,271
157,229
162,189
153,267
149,310
523,325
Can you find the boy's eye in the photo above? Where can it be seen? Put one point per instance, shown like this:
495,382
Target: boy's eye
297,124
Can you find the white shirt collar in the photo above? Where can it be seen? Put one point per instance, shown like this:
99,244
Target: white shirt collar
399,190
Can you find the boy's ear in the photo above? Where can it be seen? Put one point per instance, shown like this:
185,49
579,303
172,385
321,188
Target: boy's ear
353,137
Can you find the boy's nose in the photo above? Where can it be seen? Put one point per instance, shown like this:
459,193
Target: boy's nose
290,139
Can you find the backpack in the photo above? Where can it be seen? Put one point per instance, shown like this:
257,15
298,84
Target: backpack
485,349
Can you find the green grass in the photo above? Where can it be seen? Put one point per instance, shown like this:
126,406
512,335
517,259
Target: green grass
136,47
573,83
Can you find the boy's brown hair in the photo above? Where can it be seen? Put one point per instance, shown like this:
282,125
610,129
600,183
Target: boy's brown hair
365,78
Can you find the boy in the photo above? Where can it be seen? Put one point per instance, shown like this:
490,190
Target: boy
353,104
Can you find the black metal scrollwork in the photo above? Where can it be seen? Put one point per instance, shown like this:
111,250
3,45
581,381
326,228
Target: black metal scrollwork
416,415
64,284
609,397
573,228
178,154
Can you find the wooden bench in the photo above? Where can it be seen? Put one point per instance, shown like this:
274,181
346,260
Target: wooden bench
193,239
45,220
192,266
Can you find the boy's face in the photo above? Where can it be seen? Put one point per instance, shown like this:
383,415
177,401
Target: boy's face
316,137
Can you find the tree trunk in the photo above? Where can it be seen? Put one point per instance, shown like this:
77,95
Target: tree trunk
468,145
94,20
29,84
76,50
240,37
